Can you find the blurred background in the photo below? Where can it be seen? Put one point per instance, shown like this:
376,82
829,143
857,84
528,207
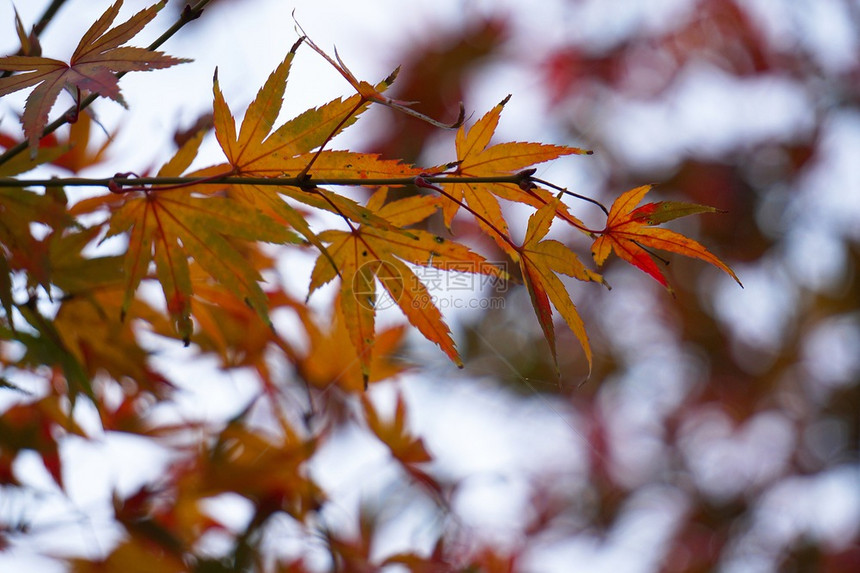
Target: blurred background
720,428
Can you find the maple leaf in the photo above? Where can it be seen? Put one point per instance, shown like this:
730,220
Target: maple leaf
78,275
258,150
93,66
366,253
18,246
89,328
629,230
47,347
477,158
405,446
85,337
34,426
540,260
236,333
70,153
171,225
22,163
268,469
331,358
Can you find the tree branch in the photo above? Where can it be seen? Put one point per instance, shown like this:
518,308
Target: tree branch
118,184
47,16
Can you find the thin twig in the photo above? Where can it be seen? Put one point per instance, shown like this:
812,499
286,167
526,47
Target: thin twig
188,14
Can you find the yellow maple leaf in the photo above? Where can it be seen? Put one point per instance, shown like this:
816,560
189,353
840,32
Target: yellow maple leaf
540,260
368,253
169,226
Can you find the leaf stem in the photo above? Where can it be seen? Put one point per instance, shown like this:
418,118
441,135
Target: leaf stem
426,183
572,194
339,212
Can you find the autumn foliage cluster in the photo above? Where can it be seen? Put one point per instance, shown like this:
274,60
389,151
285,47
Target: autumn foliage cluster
77,316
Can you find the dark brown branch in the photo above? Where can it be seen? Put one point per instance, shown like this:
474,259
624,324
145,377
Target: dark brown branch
135,183
48,15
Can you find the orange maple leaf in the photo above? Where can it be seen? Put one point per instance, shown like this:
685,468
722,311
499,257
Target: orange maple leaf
331,358
406,448
368,253
89,328
540,260
71,152
168,226
260,150
477,158
33,426
629,230
258,466
92,67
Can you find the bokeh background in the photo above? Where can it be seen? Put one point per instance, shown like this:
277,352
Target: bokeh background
720,428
